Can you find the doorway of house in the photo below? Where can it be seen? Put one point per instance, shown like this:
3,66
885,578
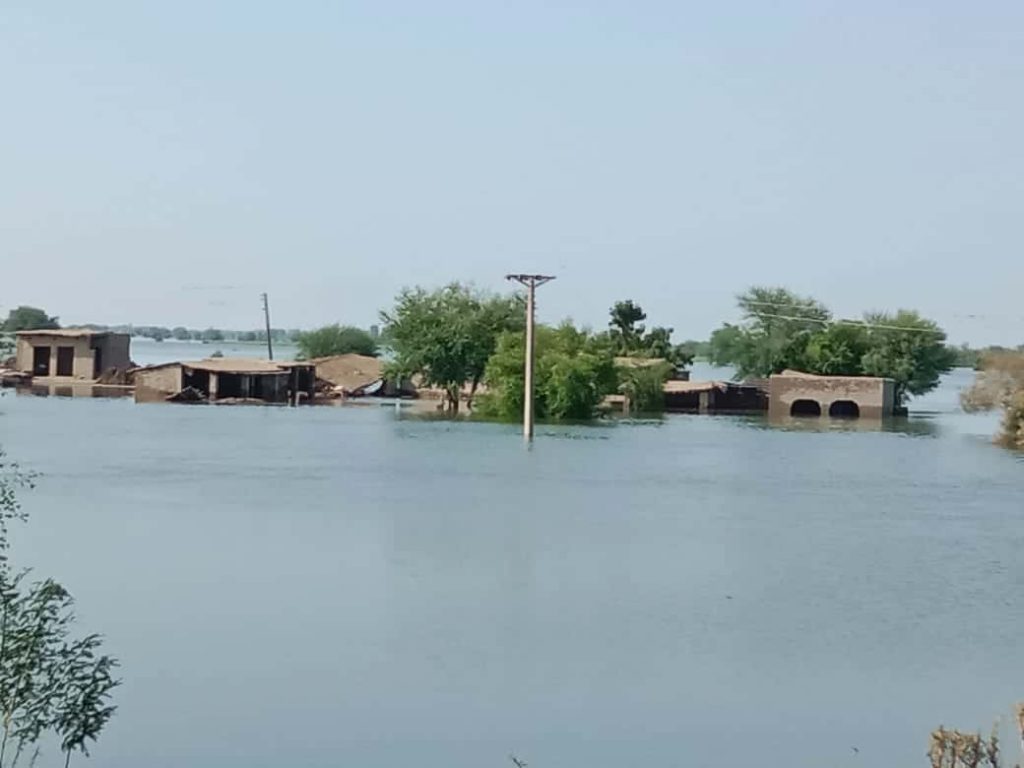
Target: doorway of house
65,361
41,361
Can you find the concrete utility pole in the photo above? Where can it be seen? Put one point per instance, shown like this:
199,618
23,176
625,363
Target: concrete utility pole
531,282
266,317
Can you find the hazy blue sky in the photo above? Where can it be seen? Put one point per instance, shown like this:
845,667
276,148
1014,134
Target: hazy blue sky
164,162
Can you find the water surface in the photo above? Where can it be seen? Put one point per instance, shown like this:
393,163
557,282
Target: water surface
351,587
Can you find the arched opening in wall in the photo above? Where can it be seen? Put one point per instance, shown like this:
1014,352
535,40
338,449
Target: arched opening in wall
805,408
844,409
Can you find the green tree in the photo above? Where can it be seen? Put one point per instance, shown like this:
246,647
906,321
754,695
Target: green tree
212,334
697,349
181,334
838,350
725,345
658,343
447,336
51,683
574,371
25,318
335,340
626,326
630,338
777,327
907,348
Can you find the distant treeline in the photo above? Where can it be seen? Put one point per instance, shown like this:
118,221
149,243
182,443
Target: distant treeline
972,357
180,333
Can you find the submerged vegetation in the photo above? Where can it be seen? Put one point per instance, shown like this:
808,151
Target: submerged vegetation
465,341
575,370
1000,384
961,749
445,337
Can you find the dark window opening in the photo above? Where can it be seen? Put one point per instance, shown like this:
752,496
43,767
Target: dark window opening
199,380
65,361
229,385
805,408
40,361
97,362
844,409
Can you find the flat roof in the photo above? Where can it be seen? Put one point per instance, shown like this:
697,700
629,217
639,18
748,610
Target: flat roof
242,365
686,387
800,375
67,333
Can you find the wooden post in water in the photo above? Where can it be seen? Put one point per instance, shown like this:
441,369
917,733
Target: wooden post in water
531,282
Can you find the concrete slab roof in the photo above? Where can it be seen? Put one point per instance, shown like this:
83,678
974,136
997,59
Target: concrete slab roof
66,333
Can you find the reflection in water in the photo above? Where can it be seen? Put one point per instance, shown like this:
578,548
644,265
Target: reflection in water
915,426
73,390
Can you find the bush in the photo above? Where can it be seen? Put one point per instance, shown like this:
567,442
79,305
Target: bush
644,385
1000,384
335,340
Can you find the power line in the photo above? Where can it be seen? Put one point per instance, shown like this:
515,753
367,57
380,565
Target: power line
961,315
858,323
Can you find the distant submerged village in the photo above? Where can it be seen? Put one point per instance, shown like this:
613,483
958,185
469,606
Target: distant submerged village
89,362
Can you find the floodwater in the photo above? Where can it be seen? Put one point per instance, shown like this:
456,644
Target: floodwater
151,352
317,587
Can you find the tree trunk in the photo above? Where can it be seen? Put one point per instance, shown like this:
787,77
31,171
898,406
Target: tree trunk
453,401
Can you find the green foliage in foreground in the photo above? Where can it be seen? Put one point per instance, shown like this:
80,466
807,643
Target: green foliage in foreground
574,372
781,330
335,340
55,688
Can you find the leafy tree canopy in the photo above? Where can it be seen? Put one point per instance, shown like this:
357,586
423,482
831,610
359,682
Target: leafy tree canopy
782,330
29,319
629,336
335,340
446,336
573,373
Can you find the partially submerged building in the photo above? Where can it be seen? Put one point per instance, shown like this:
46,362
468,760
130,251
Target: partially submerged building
79,354
714,397
792,393
354,375
226,379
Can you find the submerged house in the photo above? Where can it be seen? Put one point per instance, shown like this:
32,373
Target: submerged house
226,379
793,393
78,354
714,397
354,375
